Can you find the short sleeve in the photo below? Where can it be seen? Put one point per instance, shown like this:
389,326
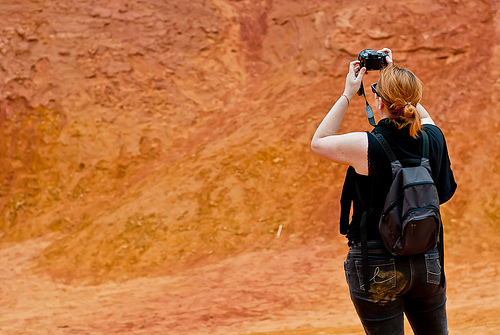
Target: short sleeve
441,164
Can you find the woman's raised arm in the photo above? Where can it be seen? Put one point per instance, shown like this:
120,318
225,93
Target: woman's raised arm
350,148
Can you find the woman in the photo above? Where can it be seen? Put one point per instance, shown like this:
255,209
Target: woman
411,285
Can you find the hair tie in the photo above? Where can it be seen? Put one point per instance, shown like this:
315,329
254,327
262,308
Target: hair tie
408,103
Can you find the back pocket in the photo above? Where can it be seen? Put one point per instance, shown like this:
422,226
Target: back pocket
382,275
433,267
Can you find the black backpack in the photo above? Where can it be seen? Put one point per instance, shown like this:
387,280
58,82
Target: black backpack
410,222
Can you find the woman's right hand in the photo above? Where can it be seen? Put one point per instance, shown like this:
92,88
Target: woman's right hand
388,52
353,79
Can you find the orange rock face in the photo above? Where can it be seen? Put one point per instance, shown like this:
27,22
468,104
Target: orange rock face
141,139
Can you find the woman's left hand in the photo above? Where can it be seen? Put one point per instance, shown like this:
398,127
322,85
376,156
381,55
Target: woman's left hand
388,52
353,80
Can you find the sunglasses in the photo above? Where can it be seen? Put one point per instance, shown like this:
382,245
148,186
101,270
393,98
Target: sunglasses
374,90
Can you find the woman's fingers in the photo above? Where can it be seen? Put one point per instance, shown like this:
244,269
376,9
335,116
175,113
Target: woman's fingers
388,52
363,71
354,77
353,67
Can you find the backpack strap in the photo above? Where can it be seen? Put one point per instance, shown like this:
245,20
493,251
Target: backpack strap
383,143
364,236
351,184
425,144
346,200
364,253
392,157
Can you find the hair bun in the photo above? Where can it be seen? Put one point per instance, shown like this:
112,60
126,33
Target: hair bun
409,110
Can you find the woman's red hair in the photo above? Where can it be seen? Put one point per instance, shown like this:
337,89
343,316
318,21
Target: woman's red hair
401,91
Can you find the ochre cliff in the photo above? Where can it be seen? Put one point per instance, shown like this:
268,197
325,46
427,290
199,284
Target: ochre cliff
145,137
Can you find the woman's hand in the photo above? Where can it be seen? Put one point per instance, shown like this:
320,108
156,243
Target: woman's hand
388,52
353,80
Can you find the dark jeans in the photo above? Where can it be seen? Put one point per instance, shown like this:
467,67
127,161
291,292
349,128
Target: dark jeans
405,284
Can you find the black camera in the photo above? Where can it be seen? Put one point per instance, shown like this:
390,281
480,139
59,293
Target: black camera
372,60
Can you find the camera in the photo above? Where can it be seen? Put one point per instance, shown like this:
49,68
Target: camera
372,60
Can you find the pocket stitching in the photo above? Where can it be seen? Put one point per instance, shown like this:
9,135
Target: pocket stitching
377,265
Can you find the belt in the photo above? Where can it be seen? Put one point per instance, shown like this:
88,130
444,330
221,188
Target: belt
371,243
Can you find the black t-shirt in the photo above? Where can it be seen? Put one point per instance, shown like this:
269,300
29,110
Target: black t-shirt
409,151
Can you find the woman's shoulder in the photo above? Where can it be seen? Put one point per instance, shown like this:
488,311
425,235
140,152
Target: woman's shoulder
433,131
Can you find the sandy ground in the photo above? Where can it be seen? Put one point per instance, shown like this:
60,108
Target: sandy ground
295,291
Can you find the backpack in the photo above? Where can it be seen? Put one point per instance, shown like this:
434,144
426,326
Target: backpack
411,221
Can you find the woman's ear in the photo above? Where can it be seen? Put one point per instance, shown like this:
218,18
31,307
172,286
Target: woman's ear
380,105
382,111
